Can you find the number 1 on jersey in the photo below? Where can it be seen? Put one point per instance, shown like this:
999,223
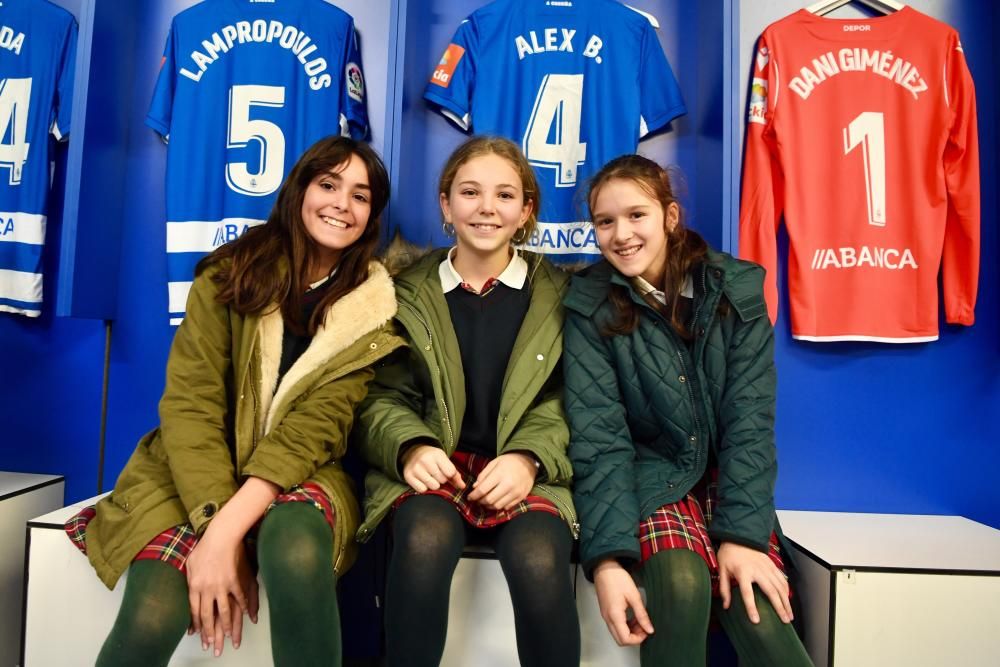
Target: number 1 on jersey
243,130
15,98
558,106
868,131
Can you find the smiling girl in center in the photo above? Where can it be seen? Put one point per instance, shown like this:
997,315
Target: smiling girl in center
465,429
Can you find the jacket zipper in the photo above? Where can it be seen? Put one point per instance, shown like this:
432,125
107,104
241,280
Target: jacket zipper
570,515
437,369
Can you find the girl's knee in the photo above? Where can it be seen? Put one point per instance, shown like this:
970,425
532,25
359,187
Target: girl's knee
295,538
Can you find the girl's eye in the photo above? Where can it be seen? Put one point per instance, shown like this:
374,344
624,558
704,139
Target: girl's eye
638,214
506,195
361,198
603,222
326,185
468,193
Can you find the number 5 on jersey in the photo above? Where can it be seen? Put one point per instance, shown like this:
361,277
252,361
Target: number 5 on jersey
269,138
556,114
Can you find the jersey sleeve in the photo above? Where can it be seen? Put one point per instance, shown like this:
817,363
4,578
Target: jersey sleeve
960,260
763,181
453,81
63,108
661,99
354,114
160,108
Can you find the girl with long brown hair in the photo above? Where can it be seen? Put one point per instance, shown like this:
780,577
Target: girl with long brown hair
282,328
670,392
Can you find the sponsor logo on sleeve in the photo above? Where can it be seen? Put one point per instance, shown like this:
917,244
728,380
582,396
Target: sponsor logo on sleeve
758,101
446,66
355,82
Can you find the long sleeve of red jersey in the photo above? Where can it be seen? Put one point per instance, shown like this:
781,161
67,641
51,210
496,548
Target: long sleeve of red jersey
960,261
763,181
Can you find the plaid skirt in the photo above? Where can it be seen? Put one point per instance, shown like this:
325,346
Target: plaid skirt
470,466
174,545
684,525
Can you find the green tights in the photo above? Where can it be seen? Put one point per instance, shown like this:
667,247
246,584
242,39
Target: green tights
295,551
680,603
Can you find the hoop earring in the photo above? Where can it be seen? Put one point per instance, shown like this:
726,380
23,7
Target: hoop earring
524,236
448,229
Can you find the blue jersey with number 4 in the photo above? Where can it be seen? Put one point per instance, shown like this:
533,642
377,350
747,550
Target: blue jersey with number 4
574,82
37,56
245,87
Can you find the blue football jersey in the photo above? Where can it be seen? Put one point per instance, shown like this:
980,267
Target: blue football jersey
574,82
37,58
245,87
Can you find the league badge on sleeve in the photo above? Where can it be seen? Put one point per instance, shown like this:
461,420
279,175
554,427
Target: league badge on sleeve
355,82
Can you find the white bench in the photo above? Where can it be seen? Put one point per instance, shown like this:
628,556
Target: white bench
69,612
896,589
480,598
22,496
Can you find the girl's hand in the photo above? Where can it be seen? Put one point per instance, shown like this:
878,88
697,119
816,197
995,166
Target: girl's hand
616,594
213,574
505,481
748,567
426,467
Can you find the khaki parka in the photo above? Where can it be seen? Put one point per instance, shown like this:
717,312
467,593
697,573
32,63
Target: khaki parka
418,393
222,418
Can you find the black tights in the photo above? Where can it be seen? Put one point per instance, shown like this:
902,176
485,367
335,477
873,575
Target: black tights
534,552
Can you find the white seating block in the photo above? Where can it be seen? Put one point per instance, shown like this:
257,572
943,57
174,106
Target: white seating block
22,496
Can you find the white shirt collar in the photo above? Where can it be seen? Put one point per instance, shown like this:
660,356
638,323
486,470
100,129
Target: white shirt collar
644,288
513,276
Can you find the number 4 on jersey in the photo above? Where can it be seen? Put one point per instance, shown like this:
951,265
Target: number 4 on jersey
15,98
557,107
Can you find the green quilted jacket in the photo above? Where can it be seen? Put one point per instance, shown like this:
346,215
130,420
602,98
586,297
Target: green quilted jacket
419,392
645,413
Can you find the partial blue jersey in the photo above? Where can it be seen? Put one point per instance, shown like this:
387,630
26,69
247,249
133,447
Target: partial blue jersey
245,88
575,83
37,56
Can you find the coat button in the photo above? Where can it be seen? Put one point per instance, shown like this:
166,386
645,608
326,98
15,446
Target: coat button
693,439
718,274
682,378
701,331
373,346
540,357
427,347
208,511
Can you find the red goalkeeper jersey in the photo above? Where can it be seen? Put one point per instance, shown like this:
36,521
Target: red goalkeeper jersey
862,135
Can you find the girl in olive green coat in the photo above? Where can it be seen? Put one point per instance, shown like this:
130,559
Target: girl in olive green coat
465,429
275,352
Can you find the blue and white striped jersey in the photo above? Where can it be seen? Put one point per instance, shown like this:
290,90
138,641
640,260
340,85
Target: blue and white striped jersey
37,58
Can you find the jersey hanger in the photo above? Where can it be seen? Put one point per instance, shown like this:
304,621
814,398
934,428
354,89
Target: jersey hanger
883,6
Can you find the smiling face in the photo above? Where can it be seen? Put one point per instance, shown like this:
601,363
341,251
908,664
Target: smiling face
486,205
335,211
631,227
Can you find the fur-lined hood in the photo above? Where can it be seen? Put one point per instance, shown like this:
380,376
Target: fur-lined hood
368,307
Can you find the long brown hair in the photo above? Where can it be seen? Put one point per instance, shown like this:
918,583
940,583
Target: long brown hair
504,148
252,279
685,248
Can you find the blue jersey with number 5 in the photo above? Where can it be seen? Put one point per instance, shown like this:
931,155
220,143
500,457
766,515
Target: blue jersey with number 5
37,56
575,83
245,87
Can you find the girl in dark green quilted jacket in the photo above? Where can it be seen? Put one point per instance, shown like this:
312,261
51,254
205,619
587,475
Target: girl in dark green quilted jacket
670,396
283,326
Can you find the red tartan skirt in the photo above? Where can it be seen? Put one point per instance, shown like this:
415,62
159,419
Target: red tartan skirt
684,525
470,466
174,545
